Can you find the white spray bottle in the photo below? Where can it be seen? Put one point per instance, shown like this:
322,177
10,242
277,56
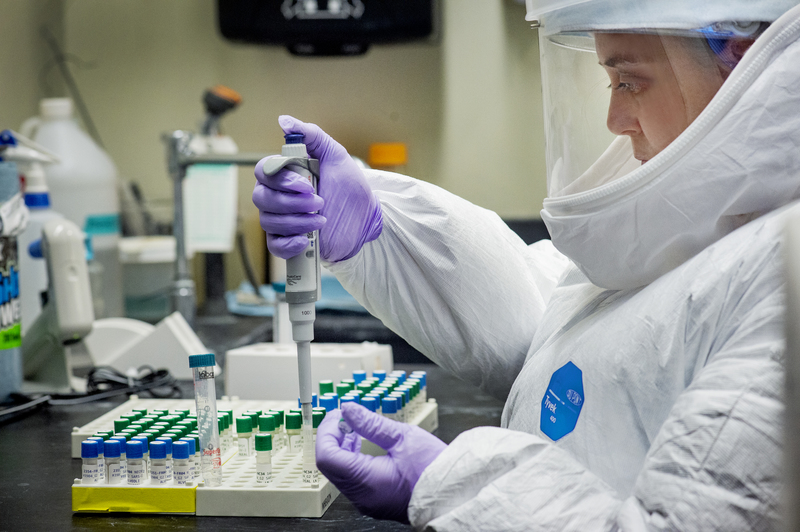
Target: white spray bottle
30,158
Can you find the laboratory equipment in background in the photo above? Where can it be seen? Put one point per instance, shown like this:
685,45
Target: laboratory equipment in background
332,27
148,263
30,158
210,196
13,217
259,371
389,156
83,187
126,344
66,334
180,157
68,315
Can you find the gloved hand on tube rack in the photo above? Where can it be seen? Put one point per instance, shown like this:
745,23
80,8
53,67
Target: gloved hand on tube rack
349,213
379,486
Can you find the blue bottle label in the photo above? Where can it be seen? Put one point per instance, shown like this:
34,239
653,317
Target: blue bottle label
562,402
10,311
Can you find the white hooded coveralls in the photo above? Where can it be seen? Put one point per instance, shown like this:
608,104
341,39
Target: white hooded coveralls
680,427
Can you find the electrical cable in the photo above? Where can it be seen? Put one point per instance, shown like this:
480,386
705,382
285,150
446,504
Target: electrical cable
102,382
61,59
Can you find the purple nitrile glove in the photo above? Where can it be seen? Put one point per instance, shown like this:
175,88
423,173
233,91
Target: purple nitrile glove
379,486
349,213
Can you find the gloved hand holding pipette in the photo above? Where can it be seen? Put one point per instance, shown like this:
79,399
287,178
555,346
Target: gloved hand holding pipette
379,486
349,213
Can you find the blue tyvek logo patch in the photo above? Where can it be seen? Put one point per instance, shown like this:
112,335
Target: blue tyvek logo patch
562,402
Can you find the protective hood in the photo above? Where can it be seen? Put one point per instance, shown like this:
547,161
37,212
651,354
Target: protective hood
738,159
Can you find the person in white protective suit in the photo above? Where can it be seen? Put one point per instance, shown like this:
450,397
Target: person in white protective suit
640,350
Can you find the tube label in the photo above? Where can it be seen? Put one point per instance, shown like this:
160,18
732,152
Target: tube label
295,443
263,473
183,474
136,474
158,473
244,447
90,474
114,473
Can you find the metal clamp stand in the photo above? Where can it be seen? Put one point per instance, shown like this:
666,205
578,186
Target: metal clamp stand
179,158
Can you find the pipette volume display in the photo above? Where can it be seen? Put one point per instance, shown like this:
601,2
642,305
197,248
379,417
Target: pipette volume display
205,396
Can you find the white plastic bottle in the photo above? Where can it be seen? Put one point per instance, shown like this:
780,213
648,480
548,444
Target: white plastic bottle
33,272
83,187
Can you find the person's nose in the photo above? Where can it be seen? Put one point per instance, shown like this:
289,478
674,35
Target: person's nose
622,118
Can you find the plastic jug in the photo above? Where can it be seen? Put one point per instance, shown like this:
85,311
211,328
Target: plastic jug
83,187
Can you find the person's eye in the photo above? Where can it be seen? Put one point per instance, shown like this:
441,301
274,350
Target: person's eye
626,86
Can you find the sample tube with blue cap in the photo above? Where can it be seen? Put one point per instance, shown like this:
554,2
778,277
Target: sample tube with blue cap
136,467
370,403
389,408
101,460
423,389
158,463
400,415
90,470
123,462
359,375
329,402
192,456
113,469
205,396
181,466
167,441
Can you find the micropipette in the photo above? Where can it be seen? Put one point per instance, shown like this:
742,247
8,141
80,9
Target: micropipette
205,396
302,286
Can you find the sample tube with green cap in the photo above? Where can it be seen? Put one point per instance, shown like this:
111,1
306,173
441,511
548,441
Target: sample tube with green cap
267,425
294,424
342,389
263,458
205,396
244,431
226,437
325,387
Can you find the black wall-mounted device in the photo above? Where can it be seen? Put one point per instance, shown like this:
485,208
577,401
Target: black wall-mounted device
326,27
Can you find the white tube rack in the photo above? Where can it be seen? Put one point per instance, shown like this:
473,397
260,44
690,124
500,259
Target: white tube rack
239,495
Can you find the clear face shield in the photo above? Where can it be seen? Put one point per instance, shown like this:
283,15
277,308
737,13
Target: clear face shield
620,84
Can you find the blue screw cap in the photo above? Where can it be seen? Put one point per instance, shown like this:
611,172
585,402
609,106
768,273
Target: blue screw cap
201,361
134,450
389,405
329,403
190,442
371,403
89,449
180,450
111,448
166,441
158,450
